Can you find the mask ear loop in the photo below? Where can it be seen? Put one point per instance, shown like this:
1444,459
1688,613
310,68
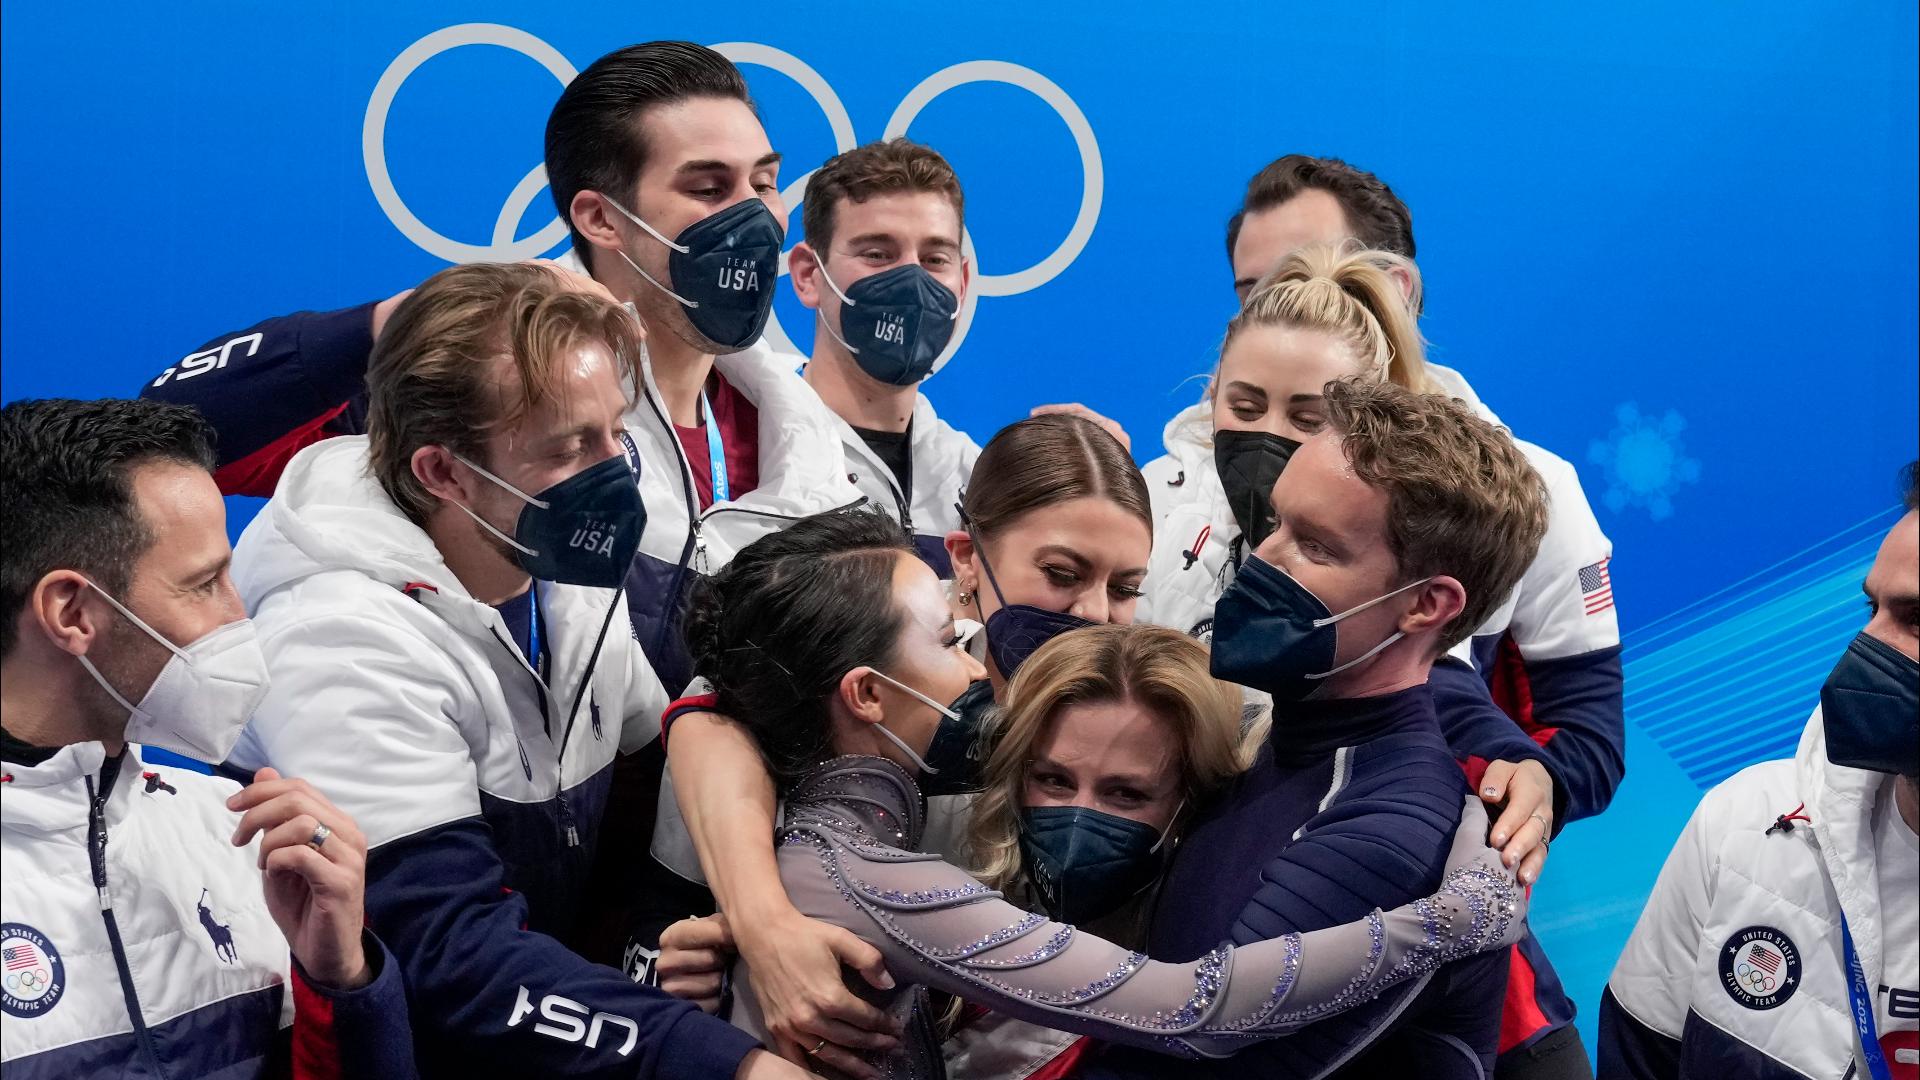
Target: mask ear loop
1377,649
918,761
483,523
967,524
655,233
1358,608
142,624
828,323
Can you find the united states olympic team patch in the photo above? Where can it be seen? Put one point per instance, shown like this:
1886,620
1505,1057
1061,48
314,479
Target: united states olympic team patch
35,975
1760,967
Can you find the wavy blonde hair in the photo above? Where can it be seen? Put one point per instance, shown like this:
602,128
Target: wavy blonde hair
1163,671
1355,294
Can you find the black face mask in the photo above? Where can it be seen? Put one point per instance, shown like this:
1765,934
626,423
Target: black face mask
723,268
1870,708
956,755
1249,462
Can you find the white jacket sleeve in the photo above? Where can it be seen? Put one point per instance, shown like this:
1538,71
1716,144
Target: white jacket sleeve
1653,979
367,712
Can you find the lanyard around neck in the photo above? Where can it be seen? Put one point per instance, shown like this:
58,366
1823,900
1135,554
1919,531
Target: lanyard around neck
716,452
1861,999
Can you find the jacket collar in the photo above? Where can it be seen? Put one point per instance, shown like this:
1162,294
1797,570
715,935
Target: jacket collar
1842,803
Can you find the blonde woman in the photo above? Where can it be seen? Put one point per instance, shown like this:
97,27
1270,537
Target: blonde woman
1108,735
1550,655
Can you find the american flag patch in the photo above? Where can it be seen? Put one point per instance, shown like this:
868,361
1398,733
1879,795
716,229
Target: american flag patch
1765,959
1596,587
22,955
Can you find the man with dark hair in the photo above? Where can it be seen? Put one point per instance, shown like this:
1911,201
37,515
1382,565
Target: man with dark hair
670,189
1301,200
1782,938
883,267
121,627
441,604
1397,529
1550,655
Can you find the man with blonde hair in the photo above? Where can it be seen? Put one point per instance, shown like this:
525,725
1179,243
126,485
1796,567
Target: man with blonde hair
1397,530
440,605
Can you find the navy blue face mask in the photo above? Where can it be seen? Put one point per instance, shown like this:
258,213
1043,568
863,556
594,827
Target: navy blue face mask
1271,633
895,323
1248,463
1084,864
954,757
723,268
1017,631
1870,708
583,530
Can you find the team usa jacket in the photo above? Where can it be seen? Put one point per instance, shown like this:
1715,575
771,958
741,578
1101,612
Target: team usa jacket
942,459
1735,968
291,381
1550,655
136,941
480,785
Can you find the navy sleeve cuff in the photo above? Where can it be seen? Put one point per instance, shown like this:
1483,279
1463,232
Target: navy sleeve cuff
702,1047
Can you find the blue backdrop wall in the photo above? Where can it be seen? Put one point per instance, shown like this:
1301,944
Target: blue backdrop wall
1675,246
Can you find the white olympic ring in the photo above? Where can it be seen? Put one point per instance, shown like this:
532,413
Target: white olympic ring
504,248
373,148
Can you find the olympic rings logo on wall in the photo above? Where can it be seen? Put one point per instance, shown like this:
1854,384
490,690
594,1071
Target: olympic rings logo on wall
505,247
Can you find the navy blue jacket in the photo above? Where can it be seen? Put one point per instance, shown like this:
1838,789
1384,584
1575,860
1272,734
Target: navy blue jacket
1350,806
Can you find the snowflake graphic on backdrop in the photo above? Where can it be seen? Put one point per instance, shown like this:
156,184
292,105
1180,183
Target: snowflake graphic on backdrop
1645,462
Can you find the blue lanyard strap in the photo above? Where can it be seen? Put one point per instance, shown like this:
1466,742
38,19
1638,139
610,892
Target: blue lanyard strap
716,452
1861,997
533,630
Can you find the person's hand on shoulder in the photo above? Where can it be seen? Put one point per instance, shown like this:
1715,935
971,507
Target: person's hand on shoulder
313,860
1524,791
794,964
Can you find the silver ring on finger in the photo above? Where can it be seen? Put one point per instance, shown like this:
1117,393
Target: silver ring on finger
319,837
1543,821
822,1045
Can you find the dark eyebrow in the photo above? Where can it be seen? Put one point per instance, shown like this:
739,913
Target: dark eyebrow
1246,388
211,570
1065,552
772,158
1302,399
702,166
871,238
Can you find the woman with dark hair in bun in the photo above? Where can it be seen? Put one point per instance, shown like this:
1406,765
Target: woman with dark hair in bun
834,648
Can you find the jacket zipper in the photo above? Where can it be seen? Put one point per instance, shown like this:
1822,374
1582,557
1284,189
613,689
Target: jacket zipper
97,855
693,522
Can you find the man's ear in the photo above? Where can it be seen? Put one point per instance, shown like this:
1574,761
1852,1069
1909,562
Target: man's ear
593,217
1435,604
438,472
860,695
803,266
966,276
1405,280
57,609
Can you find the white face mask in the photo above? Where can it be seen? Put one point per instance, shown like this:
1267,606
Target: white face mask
200,702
